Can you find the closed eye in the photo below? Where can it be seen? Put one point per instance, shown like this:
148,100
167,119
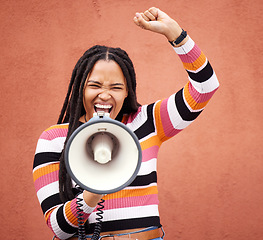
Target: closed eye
114,86
94,85
117,88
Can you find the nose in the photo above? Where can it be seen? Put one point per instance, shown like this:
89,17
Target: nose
104,95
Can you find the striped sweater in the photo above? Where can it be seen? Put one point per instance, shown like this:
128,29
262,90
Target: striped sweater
135,206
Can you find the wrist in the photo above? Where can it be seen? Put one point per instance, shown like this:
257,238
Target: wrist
180,40
91,199
173,30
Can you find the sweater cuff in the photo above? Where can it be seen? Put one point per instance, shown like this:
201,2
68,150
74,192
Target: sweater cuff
186,48
85,207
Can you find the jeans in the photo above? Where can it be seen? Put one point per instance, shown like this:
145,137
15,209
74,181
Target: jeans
146,229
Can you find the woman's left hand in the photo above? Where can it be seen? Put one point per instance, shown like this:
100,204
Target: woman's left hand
158,21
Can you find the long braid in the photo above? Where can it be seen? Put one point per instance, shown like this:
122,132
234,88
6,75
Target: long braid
73,107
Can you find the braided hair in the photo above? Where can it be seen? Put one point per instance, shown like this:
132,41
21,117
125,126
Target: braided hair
73,107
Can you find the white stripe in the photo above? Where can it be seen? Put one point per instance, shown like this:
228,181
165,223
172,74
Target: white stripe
56,145
55,227
47,191
206,87
154,120
147,137
186,48
177,121
86,208
127,213
139,120
141,187
148,167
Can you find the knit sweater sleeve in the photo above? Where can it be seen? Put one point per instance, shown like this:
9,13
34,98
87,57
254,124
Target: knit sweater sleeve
179,110
60,217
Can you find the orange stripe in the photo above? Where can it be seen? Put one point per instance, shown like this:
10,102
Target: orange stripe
45,170
159,125
191,102
152,141
158,120
69,214
196,64
57,126
48,213
132,193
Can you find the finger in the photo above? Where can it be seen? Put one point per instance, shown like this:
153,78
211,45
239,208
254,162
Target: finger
149,15
145,17
135,20
154,12
140,21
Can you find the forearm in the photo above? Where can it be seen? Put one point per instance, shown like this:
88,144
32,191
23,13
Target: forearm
183,107
63,219
91,199
201,74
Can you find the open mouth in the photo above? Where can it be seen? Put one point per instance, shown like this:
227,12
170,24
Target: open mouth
103,108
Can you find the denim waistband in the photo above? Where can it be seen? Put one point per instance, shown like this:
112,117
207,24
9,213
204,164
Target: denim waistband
123,234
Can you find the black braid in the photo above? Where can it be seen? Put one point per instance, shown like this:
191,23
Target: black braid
73,107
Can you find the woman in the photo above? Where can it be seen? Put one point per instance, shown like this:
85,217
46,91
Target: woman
104,80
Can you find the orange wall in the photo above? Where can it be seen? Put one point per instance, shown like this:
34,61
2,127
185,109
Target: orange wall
210,175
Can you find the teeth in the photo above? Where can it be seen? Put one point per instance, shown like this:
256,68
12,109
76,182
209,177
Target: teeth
103,106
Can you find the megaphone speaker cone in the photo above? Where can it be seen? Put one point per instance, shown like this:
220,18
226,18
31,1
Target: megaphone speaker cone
103,156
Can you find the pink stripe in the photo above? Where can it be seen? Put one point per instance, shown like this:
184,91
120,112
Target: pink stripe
46,179
200,97
168,128
54,133
191,56
131,202
150,153
49,223
73,209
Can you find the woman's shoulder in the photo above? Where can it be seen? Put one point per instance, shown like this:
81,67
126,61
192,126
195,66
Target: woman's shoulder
54,131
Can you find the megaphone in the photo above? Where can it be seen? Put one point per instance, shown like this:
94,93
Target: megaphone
103,155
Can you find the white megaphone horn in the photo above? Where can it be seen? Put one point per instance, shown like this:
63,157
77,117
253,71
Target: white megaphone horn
103,155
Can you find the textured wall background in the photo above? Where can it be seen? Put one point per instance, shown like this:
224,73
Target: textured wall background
210,175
